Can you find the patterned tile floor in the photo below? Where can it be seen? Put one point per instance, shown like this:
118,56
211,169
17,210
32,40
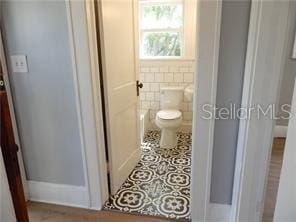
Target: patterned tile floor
160,183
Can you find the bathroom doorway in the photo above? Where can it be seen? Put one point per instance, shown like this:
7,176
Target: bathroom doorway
87,63
145,176
150,122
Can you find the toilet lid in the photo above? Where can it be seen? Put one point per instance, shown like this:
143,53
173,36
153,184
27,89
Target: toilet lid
169,114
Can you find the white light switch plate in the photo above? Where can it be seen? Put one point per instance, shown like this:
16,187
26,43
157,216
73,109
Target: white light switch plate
19,63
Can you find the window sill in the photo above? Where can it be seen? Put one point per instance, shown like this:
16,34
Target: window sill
167,59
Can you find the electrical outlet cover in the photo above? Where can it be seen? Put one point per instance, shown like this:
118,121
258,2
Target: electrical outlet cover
19,63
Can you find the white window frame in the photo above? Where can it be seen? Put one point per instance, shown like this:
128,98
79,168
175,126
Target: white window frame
155,30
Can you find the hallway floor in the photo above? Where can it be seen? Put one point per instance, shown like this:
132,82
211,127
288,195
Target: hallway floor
42,212
160,183
273,178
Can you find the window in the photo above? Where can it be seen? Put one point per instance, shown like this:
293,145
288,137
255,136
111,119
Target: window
161,29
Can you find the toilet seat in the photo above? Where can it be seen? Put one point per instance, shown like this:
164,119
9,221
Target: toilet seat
169,114
169,121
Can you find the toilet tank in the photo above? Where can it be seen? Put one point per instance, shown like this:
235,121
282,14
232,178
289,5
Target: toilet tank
171,97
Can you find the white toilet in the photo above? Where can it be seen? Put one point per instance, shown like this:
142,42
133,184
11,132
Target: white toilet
169,118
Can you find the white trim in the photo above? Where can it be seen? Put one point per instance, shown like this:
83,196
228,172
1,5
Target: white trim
160,2
71,27
294,49
165,60
208,40
280,131
86,103
243,127
265,44
285,201
219,212
67,195
160,30
207,67
103,182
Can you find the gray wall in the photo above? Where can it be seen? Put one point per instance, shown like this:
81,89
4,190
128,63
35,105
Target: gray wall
45,103
289,69
233,44
44,97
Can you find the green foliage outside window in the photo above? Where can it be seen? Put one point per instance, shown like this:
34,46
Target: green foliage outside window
161,44
166,21
162,16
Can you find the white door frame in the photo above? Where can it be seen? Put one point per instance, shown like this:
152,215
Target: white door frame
82,33
208,37
268,22
285,201
207,54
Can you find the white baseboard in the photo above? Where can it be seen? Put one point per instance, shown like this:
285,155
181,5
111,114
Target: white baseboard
280,131
219,212
67,195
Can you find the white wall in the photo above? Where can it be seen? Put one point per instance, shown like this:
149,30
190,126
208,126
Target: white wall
156,74
286,198
6,207
289,64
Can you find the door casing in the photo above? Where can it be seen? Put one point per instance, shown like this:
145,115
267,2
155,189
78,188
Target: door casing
268,22
209,20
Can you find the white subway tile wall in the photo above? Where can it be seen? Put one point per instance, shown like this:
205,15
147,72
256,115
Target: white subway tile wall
155,75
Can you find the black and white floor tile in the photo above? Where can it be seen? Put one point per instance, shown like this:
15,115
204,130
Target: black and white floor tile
160,183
